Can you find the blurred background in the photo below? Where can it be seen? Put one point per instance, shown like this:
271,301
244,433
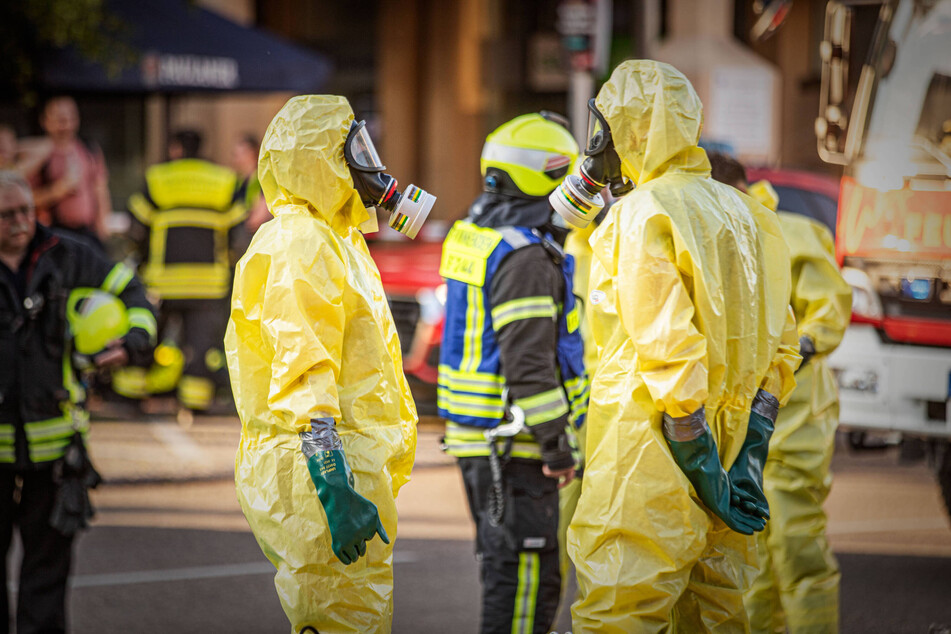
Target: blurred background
845,107
431,78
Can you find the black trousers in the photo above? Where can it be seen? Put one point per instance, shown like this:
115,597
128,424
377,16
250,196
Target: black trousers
521,579
203,323
47,554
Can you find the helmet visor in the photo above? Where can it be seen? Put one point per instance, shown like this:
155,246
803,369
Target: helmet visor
598,131
359,150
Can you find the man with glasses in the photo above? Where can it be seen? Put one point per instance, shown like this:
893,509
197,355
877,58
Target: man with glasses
41,403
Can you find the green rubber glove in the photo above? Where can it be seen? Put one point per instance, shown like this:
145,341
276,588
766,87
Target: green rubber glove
746,474
695,452
353,519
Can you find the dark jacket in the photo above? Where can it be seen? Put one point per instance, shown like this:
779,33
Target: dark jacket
33,338
528,346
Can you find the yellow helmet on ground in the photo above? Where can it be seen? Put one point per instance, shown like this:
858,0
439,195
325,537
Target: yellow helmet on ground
528,156
95,318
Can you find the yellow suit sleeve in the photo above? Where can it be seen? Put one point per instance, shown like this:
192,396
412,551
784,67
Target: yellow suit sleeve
780,379
820,297
302,322
657,312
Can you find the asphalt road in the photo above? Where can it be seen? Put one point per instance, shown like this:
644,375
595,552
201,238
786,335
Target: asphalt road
178,557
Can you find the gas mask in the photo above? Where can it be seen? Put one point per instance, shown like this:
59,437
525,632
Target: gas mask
578,199
409,209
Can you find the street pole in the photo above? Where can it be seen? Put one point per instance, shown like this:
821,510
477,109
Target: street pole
580,90
585,26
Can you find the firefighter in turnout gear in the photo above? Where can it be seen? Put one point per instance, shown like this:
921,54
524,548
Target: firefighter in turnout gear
512,349
185,222
57,302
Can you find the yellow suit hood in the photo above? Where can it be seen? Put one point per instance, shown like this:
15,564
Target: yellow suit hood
655,118
302,161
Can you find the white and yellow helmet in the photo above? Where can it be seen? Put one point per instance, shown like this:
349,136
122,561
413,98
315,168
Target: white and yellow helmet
95,318
528,157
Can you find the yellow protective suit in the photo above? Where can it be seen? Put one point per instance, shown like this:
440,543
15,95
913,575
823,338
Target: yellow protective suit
578,247
689,306
798,573
311,335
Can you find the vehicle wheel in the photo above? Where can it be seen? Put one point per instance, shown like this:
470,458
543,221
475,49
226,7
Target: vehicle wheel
944,477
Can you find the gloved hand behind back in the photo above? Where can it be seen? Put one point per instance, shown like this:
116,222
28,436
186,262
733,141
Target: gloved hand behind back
695,452
746,474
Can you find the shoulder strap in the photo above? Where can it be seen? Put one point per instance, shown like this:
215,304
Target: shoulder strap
514,238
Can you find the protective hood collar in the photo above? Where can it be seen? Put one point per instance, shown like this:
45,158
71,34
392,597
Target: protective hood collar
302,161
498,210
655,118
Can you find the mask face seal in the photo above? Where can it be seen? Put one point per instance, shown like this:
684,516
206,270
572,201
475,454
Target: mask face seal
408,210
578,199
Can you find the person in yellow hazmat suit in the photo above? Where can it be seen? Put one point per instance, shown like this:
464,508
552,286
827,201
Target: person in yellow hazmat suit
689,306
578,247
328,424
797,587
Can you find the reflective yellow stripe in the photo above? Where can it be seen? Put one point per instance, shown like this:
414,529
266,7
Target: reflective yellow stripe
51,429
200,274
236,214
196,392
576,386
191,182
7,454
129,382
467,441
141,209
475,322
476,382
526,594
77,393
471,433
118,278
523,308
471,405
200,218
7,434
180,281
479,328
578,412
47,439
144,319
544,407
526,451
50,450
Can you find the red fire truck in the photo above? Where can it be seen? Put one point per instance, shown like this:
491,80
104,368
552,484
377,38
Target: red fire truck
892,134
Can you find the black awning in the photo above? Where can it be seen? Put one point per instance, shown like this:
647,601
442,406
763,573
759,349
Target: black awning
184,48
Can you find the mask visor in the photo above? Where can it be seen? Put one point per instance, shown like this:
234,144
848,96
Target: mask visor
598,132
359,150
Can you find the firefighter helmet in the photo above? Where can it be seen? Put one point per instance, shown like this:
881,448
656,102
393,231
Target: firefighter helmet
528,156
95,318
